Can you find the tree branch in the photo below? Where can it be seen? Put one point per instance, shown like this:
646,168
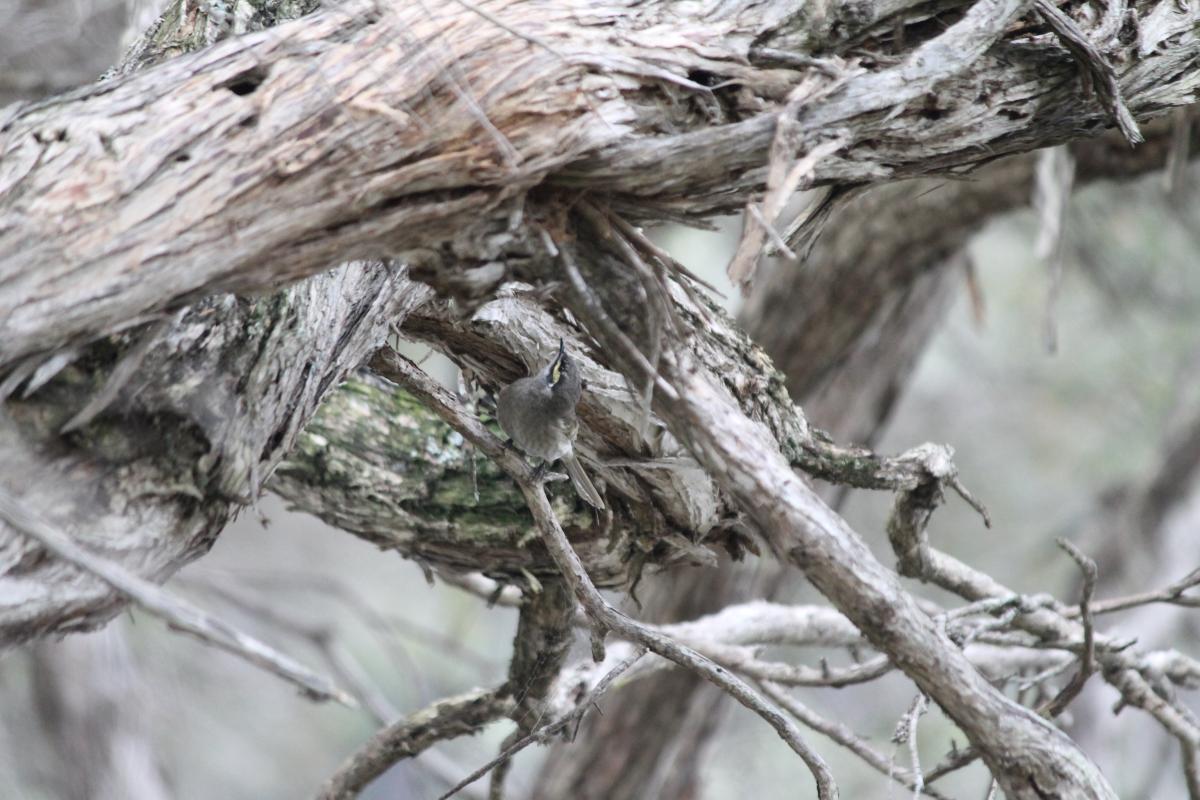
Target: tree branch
550,728
451,717
177,613
848,739
1025,753
601,614
90,179
211,410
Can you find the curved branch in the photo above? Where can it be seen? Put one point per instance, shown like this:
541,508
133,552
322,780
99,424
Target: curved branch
448,718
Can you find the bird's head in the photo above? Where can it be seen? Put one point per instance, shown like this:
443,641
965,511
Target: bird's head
559,366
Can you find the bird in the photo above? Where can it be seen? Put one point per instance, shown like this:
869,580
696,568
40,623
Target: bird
538,414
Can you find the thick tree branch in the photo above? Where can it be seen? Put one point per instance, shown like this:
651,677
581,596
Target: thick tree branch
436,145
1025,753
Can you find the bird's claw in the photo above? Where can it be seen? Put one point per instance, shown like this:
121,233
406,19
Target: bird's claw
543,475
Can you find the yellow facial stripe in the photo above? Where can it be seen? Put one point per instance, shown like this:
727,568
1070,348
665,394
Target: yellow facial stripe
556,371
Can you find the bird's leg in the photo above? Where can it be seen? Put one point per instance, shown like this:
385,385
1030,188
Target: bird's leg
539,472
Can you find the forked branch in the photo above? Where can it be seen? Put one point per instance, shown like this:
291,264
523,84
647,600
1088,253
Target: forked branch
602,615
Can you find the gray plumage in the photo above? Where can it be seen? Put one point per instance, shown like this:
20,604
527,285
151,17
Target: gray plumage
538,414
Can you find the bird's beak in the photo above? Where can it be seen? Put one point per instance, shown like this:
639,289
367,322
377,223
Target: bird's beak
556,365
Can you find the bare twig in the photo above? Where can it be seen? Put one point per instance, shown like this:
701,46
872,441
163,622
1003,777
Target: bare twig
325,640
499,770
661,310
597,309
970,499
176,612
1120,669
483,587
768,228
952,763
447,718
644,241
743,660
1172,595
393,625
550,729
861,468
1191,772
328,641
1087,662
906,734
783,180
846,738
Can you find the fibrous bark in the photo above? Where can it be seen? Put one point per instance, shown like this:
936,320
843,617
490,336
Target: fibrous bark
187,439
375,131
812,318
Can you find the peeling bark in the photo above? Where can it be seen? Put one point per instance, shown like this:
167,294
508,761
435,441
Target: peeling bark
188,440
372,131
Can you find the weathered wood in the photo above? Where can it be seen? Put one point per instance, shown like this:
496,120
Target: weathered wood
189,439
1029,757
400,130
811,318
306,182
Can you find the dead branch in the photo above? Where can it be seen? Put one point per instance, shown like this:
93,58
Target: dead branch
847,738
177,613
152,495
545,631
451,717
1087,662
1022,750
602,615
550,728
1123,670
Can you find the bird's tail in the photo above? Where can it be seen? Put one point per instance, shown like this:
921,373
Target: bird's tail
581,481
